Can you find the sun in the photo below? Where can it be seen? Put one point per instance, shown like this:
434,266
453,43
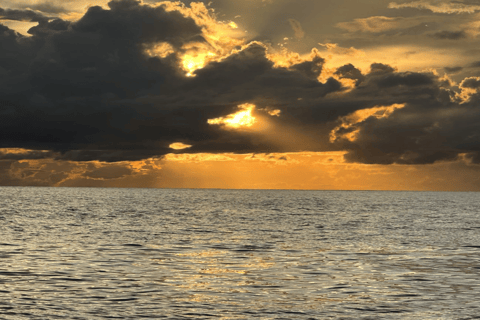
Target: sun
243,118
195,61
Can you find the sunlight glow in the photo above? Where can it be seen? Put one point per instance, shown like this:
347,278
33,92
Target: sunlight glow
179,146
237,120
274,112
220,37
195,61
162,50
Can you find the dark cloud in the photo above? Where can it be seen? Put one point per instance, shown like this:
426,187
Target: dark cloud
25,154
449,35
380,68
349,71
45,28
22,15
472,83
108,172
88,90
430,127
453,69
408,79
48,7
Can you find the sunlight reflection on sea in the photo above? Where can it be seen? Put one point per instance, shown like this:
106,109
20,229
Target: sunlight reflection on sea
236,254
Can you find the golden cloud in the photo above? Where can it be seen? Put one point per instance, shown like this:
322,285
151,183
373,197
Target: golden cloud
222,37
349,128
240,119
449,7
179,146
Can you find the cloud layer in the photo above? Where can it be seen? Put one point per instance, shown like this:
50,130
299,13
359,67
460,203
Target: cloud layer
128,81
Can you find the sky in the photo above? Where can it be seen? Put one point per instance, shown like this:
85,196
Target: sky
244,94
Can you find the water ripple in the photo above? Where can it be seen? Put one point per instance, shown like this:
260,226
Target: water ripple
213,254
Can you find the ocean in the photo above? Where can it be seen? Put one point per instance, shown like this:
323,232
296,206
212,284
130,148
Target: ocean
92,253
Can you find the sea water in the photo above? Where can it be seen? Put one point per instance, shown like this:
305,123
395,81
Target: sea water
80,253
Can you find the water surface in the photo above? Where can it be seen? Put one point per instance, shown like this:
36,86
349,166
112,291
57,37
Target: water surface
79,253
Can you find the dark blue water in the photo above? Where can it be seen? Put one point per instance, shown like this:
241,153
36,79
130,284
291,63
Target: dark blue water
83,253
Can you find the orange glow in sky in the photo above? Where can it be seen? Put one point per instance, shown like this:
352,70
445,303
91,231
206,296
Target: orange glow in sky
195,61
179,146
237,120
302,170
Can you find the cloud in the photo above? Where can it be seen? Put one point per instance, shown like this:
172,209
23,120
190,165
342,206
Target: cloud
349,129
430,127
391,28
103,172
297,28
50,172
47,7
179,146
469,88
453,69
306,170
349,71
22,15
22,154
450,35
131,81
376,24
471,83
448,7
92,90
55,8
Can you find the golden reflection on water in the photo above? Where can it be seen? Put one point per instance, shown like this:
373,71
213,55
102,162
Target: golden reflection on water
251,263
208,280
206,253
